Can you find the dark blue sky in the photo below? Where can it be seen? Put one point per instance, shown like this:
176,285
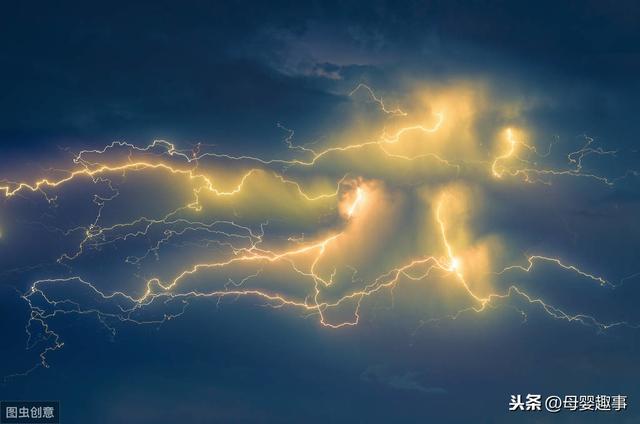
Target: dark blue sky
79,75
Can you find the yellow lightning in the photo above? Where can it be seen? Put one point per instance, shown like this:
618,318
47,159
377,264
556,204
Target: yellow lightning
306,260
359,199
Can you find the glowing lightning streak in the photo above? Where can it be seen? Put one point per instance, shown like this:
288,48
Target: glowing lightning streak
574,158
155,288
508,154
357,202
395,112
534,258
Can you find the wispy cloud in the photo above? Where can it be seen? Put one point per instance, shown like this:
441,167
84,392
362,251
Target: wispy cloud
406,381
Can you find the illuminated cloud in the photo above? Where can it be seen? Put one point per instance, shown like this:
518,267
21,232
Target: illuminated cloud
399,200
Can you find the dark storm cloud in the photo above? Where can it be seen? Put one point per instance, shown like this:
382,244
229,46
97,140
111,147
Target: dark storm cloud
83,74
74,72
407,381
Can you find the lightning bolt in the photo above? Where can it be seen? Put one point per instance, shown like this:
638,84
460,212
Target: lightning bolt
351,201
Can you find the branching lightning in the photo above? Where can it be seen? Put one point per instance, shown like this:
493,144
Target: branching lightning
246,253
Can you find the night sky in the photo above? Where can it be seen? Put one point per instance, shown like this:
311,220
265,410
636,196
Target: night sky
270,119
